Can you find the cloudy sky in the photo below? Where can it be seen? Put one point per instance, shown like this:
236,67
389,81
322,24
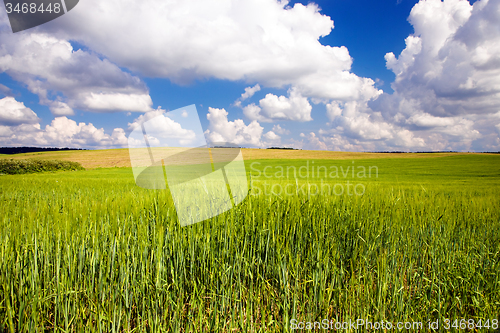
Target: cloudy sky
339,75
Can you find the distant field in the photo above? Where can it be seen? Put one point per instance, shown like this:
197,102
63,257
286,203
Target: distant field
89,159
92,159
89,251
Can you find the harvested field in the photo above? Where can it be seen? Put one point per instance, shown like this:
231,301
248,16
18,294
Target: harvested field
109,158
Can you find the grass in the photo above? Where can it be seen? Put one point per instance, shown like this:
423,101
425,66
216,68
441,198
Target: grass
90,251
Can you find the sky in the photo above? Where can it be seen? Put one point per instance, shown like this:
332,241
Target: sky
342,75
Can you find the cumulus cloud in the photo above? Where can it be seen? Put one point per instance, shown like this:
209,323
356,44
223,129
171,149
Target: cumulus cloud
164,131
144,118
323,141
63,132
355,120
334,109
280,130
249,92
425,120
262,41
20,126
450,65
447,84
59,108
13,112
223,130
118,101
272,136
295,107
337,140
407,57
49,65
271,139
356,126
5,131
265,42
314,143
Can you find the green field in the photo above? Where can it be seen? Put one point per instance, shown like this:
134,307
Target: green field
91,251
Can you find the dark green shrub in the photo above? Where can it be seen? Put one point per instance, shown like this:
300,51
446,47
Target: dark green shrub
16,167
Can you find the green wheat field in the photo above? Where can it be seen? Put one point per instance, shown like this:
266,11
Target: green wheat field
89,251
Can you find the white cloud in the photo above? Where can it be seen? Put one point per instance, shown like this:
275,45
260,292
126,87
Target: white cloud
407,56
362,127
144,118
261,41
447,83
164,131
426,120
19,126
271,136
271,139
337,142
252,112
5,131
458,127
357,121
236,132
64,132
61,109
278,129
118,101
333,110
450,66
49,65
165,128
13,112
356,127
405,139
314,143
250,91
295,107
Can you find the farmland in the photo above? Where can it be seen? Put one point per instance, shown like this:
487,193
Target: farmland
91,251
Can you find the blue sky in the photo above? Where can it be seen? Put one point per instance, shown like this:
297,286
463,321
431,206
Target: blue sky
391,75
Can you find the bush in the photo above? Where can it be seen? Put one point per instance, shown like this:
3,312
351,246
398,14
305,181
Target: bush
17,167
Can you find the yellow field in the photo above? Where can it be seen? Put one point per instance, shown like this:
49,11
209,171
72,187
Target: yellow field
109,158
